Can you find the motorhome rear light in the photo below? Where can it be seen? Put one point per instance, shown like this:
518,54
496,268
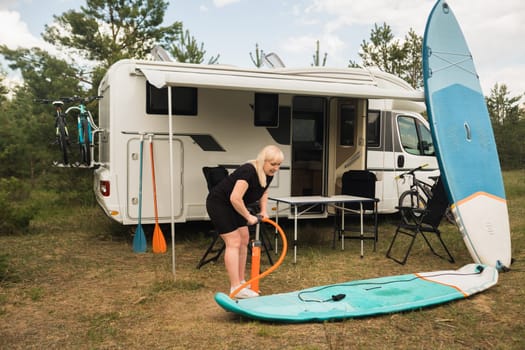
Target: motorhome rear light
105,188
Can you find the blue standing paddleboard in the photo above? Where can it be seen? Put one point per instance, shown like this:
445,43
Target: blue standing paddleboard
464,140
366,297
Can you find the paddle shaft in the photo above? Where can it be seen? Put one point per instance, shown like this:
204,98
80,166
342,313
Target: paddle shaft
159,244
140,178
154,183
139,241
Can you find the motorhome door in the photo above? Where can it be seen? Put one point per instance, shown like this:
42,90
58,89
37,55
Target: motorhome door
347,146
308,145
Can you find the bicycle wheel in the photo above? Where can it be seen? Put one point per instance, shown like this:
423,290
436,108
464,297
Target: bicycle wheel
63,140
85,149
408,201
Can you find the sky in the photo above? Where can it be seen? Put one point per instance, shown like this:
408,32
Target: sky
232,28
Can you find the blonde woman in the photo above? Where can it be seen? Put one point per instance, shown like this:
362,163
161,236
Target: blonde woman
227,207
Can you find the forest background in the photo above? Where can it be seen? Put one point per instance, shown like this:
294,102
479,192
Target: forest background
105,31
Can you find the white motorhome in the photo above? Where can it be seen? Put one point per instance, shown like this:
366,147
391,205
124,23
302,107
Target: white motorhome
326,121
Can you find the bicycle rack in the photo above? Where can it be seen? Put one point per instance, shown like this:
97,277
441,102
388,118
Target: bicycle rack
92,163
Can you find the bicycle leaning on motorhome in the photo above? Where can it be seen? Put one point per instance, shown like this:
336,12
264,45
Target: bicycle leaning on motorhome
417,196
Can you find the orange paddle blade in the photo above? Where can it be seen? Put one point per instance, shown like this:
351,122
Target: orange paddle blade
159,243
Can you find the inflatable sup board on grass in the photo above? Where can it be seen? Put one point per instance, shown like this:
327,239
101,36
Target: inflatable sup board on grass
366,297
464,140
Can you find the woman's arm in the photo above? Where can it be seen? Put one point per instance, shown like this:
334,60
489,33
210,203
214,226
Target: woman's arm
263,203
239,189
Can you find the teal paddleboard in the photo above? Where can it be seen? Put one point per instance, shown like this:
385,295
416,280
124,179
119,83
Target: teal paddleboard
464,140
369,297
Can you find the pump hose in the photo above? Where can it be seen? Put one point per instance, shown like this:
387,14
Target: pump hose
271,268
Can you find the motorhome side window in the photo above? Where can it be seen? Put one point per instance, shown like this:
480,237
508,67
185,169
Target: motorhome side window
415,136
266,110
348,120
373,131
184,100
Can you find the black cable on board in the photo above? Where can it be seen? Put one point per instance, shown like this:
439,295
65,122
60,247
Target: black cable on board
376,285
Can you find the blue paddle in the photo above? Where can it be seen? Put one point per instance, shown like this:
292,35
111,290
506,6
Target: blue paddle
139,241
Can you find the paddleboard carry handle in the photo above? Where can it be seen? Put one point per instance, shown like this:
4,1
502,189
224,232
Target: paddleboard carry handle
468,133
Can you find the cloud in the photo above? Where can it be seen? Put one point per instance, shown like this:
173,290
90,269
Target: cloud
493,31
299,44
7,4
304,47
222,3
399,15
14,33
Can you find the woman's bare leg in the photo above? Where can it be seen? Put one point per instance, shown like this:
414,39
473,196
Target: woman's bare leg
232,253
243,251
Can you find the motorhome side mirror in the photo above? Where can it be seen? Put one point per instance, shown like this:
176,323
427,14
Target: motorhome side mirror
400,161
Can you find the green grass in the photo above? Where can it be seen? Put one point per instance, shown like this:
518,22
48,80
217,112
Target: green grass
73,282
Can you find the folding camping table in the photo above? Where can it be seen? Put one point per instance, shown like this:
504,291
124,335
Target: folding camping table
337,201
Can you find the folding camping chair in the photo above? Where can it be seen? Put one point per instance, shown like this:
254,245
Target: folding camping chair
213,176
361,183
424,221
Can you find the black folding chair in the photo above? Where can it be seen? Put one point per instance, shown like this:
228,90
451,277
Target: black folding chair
361,183
424,221
213,176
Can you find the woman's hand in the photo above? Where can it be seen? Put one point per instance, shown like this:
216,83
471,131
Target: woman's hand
252,220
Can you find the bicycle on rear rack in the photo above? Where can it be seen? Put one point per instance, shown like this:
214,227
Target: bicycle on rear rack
417,196
86,127
61,131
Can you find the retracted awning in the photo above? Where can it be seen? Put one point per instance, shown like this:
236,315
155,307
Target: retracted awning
354,83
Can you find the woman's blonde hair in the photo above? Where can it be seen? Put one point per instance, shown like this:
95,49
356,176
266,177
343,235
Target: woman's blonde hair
269,153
